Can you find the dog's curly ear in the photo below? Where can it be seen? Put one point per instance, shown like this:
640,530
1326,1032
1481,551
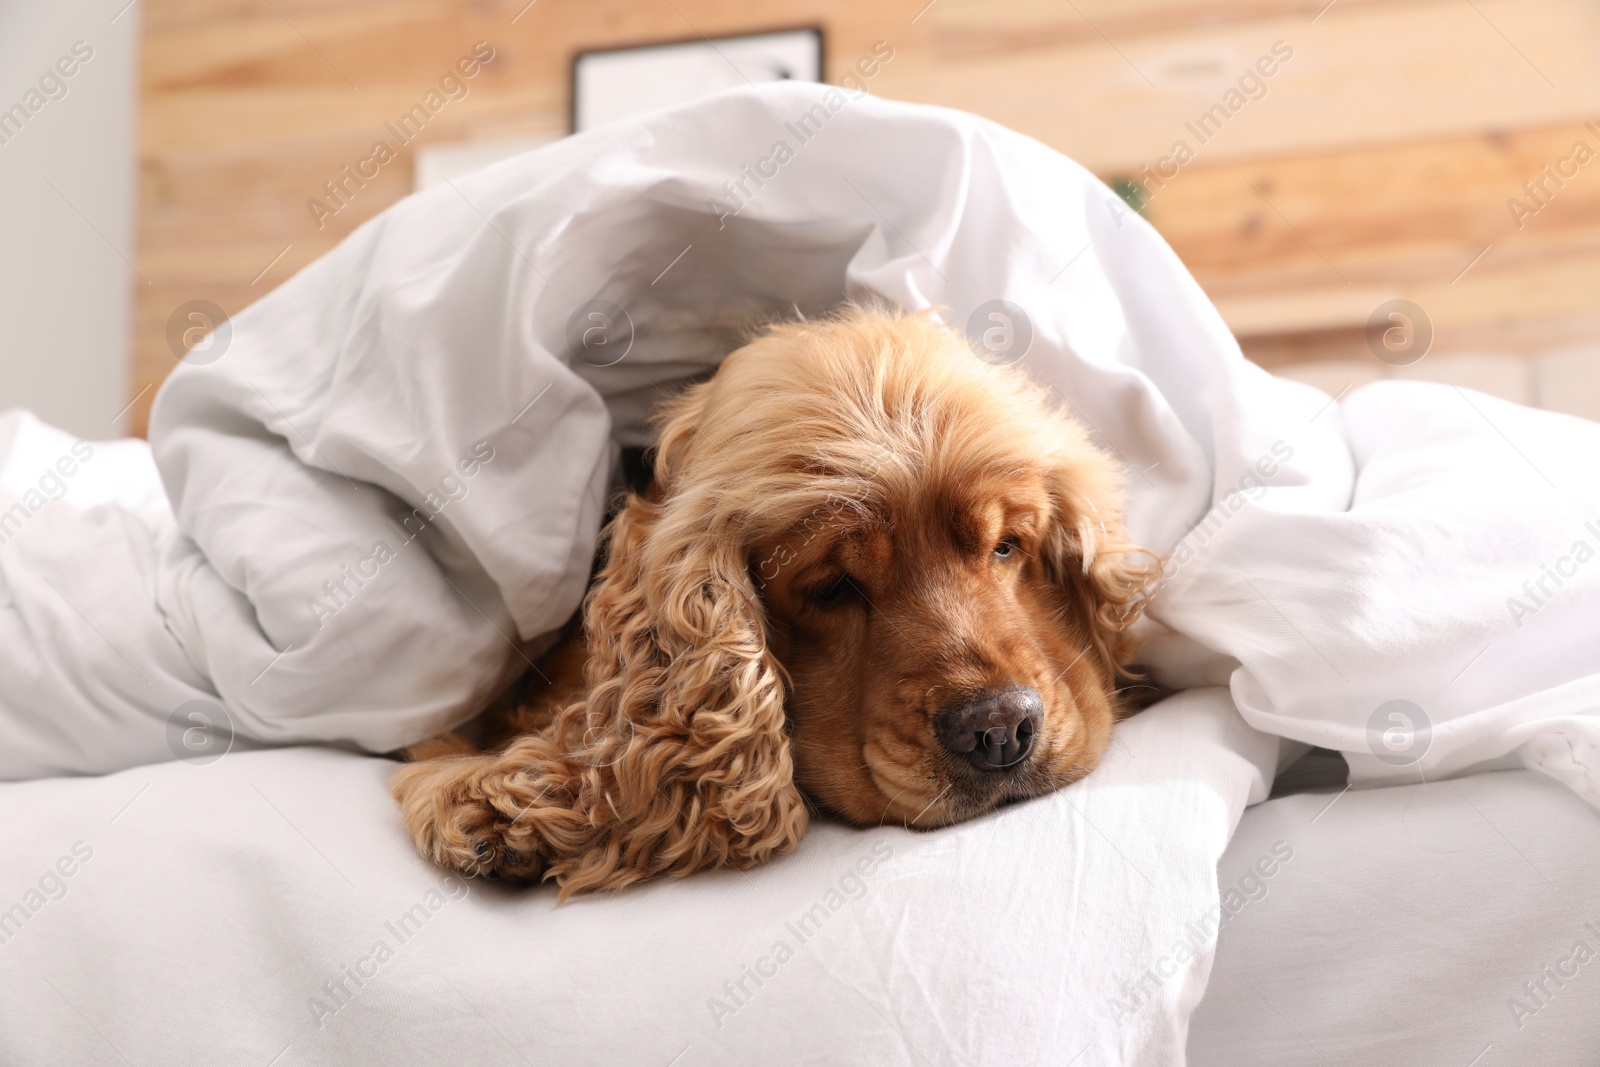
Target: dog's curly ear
1088,553
677,757
679,747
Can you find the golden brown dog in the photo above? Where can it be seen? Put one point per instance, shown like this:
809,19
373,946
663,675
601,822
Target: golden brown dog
874,572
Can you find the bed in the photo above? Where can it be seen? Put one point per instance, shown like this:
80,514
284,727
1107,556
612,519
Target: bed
251,898
267,908
1446,922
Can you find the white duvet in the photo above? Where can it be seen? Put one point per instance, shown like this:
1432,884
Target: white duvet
1408,576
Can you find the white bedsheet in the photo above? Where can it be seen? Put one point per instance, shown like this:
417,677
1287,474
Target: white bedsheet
212,913
1448,923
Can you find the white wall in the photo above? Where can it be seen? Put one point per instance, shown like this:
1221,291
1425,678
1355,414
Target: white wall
65,284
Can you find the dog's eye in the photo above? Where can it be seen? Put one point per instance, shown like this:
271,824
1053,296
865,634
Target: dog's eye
836,593
1006,548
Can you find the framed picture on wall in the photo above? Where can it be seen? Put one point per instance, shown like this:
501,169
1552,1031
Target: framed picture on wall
619,83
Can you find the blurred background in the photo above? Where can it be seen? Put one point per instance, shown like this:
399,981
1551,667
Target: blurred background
1366,188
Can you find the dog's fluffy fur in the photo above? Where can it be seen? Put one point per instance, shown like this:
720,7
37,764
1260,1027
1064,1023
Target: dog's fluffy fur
855,523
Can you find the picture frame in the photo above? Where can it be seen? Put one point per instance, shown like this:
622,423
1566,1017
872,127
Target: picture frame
612,84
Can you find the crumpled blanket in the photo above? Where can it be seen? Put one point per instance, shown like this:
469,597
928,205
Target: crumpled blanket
386,484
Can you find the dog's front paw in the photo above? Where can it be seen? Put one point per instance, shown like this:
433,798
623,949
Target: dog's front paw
496,859
455,823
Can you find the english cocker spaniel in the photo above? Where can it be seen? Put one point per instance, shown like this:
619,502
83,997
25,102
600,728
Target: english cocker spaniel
873,571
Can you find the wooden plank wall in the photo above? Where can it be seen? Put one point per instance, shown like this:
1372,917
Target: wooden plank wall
1376,161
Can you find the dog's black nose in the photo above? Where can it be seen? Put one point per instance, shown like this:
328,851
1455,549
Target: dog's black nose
993,730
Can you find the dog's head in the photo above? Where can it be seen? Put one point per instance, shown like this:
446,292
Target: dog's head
875,569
